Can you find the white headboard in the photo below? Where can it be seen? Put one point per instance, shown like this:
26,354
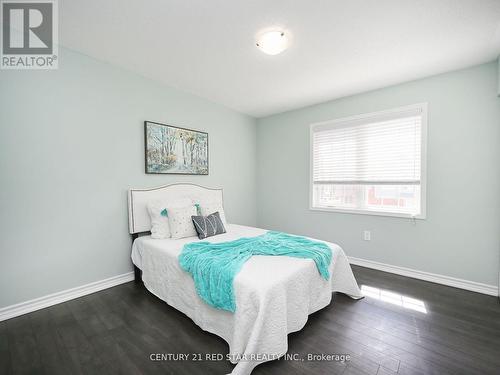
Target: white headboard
138,216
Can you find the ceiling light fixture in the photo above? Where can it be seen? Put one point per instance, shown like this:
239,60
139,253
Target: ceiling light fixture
273,42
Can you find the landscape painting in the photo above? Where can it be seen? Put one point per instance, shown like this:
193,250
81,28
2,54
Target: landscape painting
174,150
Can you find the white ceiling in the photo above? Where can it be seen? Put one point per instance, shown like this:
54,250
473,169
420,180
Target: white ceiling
339,48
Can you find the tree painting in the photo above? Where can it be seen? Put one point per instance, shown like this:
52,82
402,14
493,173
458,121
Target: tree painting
175,150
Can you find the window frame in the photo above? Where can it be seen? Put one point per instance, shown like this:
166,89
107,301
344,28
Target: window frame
423,160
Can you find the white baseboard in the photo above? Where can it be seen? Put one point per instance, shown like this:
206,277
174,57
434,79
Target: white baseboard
473,286
63,296
80,291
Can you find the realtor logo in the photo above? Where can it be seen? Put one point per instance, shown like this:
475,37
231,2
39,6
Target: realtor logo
29,34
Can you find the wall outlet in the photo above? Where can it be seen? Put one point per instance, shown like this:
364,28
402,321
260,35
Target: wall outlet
367,235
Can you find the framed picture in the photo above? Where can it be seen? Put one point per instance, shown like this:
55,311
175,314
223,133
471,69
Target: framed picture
173,150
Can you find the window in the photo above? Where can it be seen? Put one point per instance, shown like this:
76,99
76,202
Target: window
371,164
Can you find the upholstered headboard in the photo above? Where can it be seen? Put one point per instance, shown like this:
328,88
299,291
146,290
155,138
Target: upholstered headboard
138,216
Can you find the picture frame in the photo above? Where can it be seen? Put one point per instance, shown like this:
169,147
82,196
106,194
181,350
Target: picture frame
171,149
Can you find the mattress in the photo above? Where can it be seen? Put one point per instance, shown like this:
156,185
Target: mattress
274,294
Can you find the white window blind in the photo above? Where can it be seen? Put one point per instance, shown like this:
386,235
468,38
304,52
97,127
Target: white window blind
371,163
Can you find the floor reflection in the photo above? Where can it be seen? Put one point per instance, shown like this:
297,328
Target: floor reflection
394,298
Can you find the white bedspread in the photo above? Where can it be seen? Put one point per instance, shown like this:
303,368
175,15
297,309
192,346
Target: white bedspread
274,294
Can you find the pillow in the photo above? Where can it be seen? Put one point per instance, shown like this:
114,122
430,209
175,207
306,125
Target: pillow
179,221
208,226
159,216
207,208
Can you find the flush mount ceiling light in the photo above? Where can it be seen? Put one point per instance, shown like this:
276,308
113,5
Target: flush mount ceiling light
273,42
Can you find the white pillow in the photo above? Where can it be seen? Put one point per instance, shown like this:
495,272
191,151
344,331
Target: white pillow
159,222
180,222
207,208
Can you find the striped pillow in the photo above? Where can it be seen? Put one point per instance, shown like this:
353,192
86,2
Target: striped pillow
208,226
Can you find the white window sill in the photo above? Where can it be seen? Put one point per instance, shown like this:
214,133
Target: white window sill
368,212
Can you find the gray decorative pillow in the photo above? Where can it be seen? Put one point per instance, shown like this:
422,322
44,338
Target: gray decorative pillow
208,226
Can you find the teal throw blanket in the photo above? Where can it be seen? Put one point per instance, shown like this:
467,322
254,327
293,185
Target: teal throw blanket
214,265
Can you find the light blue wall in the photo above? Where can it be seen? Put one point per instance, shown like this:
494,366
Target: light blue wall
498,75
71,144
461,236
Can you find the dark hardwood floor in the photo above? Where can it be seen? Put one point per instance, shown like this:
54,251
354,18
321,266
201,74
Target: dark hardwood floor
116,330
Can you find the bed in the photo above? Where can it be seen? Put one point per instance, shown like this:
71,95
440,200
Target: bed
274,294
